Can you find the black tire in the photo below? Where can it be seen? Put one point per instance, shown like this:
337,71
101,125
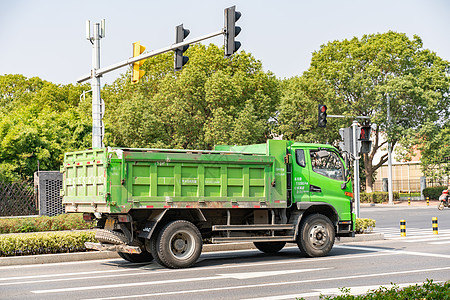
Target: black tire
269,247
179,244
316,236
110,237
142,257
441,205
150,245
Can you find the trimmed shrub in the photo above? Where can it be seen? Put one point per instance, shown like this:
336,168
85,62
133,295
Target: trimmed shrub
377,197
44,223
44,242
434,192
364,225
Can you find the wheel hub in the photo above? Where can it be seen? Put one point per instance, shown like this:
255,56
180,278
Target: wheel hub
318,235
179,244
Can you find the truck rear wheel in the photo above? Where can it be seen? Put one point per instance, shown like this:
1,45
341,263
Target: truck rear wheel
269,247
150,245
316,236
179,244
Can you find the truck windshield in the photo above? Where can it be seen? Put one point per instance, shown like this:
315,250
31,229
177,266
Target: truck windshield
327,163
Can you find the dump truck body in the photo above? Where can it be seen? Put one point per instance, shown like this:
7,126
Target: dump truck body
261,193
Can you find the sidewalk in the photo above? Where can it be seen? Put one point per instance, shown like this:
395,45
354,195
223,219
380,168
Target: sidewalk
414,203
95,255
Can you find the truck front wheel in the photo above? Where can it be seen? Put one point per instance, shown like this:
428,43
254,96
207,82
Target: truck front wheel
316,236
269,247
179,244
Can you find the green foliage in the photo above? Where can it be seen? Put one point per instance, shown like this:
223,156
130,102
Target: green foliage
433,141
39,121
364,225
428,290
212,100
433,193
353,77
44,223
43,243
377,197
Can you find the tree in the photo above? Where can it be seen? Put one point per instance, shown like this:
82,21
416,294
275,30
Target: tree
362,72
39,121
433,142
212,100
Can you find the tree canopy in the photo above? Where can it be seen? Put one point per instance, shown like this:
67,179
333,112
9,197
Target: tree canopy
212,100
215,100
353,78
39,121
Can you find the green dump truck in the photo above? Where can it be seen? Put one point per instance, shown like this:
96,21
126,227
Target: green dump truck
160,204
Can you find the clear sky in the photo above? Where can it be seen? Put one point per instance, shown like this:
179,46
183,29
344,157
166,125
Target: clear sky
46,38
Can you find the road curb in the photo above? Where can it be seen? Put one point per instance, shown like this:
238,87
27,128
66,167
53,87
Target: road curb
95,255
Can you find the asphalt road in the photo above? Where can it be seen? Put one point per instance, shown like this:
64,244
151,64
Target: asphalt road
250,274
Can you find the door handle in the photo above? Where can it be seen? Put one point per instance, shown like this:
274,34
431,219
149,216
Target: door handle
315,189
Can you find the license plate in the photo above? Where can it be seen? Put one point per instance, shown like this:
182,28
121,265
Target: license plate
109,225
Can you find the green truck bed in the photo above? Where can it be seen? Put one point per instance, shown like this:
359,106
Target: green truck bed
116,180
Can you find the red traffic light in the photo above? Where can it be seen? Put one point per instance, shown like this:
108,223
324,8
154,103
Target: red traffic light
322,115
365,133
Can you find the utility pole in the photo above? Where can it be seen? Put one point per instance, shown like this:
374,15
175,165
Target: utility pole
390,185
97,107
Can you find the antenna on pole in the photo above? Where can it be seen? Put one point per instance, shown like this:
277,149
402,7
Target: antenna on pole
102,31
88,29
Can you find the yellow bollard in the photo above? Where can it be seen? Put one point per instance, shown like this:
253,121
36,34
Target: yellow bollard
409,201
435,225
402,228
428,201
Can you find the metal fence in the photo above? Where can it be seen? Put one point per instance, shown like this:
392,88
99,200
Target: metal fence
410,186
17,199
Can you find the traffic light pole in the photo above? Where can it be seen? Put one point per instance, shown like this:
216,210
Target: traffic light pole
356,180
129,61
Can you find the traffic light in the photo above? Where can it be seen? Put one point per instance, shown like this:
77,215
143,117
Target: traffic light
347,139
137,74
231,30
364,137
180,35
322,115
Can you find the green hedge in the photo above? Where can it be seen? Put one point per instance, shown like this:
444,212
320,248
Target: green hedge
44,223
429,290
377,197
364,225
433,192
44,242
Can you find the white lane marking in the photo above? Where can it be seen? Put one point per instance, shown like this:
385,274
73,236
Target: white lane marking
163,271
429,239
169,281
440,243
74,278
62,274
61,264
276,283
396,251
249,275
355,290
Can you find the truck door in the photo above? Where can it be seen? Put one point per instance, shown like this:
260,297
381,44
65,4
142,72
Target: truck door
325,179
300,176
